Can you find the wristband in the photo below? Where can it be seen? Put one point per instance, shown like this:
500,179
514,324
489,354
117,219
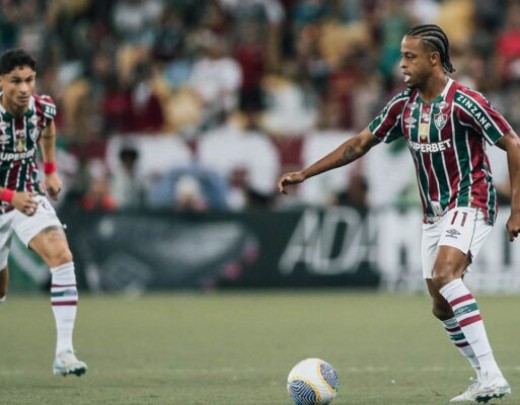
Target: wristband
6,195
49,167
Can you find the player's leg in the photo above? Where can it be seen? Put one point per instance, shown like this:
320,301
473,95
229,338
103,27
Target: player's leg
52,246
44,234
4,283
462,236
444,313
5,241
441,309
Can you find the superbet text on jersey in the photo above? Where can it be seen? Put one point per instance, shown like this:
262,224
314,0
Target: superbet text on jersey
446,138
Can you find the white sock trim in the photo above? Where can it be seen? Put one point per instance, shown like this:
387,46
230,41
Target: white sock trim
64,274
448,288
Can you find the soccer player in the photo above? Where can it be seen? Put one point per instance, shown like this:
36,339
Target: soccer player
26,121
445,125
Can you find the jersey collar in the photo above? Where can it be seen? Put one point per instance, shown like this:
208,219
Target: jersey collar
441,97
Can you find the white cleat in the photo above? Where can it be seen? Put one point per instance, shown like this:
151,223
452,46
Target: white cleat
466,396
488,388
66,364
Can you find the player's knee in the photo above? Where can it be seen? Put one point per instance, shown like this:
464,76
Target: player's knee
443,274
60,256
442,312
439,280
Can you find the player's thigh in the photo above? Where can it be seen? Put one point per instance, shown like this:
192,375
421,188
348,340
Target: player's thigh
465,229
43,232
431,234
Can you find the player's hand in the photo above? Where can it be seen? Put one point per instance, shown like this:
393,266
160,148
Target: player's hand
513,225
25,202
53,185
288,179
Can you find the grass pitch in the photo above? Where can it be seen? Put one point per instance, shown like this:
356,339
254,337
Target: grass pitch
237,348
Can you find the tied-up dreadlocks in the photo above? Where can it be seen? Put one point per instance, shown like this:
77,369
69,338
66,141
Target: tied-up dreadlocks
434,36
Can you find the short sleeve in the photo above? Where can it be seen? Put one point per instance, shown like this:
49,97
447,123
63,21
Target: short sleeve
477,112
387,125
48,109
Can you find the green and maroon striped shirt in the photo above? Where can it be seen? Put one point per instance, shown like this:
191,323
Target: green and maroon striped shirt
19,138
446,138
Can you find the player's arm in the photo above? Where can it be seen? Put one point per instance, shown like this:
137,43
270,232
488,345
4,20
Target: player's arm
510,142
48,148
346,153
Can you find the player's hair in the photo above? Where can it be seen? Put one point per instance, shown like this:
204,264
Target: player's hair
433,36
14,58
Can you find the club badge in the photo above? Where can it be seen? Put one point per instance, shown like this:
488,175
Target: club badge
440,120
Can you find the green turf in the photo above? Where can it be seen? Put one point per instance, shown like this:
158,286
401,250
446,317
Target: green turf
226,349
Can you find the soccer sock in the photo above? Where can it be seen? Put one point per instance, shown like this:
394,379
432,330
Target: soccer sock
452,328
470,322
64,300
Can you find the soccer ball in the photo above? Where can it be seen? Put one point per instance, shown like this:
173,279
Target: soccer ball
312,382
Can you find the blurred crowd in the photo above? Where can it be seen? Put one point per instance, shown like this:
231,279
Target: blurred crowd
201,104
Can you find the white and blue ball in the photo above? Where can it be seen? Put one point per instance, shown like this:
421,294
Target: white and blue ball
312,382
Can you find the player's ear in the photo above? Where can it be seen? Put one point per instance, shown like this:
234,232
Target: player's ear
435,58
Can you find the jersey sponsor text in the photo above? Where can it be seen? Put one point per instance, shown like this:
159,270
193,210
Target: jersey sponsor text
431,147
475,111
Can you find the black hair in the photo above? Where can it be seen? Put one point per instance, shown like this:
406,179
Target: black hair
15,58
436,38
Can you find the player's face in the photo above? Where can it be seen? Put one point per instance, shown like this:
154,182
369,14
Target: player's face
17,87
416,61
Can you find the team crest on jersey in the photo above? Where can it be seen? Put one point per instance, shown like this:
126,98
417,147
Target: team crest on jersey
440,120
34,134
33,125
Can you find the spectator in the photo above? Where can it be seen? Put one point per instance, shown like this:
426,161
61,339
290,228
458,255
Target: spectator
126,185
508,47
243,155
97,195
188,188
216,78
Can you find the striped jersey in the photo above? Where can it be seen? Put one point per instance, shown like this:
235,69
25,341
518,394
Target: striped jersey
446,138
19,138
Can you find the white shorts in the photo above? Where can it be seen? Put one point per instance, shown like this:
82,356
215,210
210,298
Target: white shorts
26,228
462,228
